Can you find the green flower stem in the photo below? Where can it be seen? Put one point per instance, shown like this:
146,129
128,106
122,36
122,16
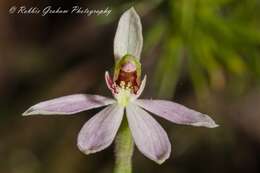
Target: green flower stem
124,149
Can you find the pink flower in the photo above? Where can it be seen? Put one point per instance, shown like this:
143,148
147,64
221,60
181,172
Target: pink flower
99,132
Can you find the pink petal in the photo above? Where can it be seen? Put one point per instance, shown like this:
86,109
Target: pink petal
99,132
69,104
177,113
149,136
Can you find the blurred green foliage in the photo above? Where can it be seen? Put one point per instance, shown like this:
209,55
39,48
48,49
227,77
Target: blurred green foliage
212,41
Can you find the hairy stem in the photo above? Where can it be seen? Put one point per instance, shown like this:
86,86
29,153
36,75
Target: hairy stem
124,149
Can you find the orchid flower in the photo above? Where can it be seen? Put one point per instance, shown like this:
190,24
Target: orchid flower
126,87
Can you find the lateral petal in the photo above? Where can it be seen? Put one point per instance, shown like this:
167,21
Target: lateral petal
177,113
99,132
67,105
149,137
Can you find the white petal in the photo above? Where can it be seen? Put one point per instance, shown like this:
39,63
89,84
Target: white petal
109,81
99,132
141,89
128,38
67,105
149,136
111,85
177,113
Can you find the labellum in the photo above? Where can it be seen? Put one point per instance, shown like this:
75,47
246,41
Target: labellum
127,73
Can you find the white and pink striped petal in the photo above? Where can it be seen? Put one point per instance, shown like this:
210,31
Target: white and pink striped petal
149,137
177,113
67,105
99,132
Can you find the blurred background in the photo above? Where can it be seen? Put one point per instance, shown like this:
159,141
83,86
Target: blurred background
204,54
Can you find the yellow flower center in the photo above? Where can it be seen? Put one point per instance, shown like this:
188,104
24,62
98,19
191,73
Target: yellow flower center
124,93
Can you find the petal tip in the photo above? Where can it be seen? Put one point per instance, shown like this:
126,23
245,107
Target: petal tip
162,159
214,125
208,122
211,123
85,150
35,111
159,162
25,114
132,9
28,112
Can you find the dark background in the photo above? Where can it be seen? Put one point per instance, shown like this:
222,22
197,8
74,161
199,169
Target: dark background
204,54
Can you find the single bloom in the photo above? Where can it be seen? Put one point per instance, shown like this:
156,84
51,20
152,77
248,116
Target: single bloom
126,86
